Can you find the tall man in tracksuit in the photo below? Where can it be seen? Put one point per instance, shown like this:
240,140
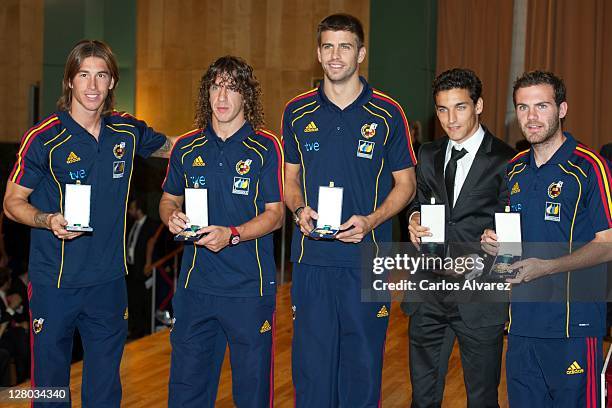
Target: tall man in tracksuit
227,282
561,188
77,280
348,133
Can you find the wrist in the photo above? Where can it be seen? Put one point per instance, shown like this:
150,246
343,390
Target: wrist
43,220
553,266
296,214
234,238
372,220
412,215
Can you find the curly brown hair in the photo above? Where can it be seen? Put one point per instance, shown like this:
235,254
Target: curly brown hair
240,76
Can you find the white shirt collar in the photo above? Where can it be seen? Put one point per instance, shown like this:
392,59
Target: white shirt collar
472,144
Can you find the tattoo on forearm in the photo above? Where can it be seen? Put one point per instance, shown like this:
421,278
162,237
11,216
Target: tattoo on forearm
164,150
166,147
40,219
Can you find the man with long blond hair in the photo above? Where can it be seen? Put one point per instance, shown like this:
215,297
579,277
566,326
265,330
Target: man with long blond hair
77,279
227,280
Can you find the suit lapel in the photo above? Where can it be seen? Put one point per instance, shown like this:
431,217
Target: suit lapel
477,169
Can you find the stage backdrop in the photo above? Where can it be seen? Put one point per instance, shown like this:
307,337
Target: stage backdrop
21,47
574,40
477,34
178,39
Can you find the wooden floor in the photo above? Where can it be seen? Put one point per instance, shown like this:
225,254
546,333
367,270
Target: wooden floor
145,367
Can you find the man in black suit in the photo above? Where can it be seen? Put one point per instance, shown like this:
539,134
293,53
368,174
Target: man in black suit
465,171
139,255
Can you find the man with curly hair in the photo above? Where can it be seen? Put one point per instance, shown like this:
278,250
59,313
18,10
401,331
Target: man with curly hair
227,281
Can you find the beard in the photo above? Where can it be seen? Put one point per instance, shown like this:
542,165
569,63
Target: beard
341,77
552,126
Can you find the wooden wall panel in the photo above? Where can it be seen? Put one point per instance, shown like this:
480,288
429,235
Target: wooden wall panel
178,39
477,34
574,41
21,40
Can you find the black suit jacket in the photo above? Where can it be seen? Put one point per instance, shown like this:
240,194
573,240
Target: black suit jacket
140,250
483,193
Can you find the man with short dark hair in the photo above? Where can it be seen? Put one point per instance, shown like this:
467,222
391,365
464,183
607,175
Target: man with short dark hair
350,134
465,172
561,189
76,279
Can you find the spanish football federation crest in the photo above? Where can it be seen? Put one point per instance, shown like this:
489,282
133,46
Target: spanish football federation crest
369,130
365,149
554,190
119,150
37,325
241,185
243,166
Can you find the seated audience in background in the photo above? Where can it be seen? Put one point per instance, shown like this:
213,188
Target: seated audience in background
19,291
14,245
13,333
5,373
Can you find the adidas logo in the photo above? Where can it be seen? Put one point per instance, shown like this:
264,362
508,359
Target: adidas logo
72,158
574,368
383,312
265,327
311,127
515,188
198,162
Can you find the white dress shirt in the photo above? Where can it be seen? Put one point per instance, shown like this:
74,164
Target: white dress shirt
471,145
